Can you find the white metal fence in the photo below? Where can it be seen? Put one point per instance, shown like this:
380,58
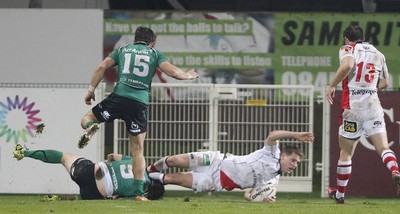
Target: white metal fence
229,118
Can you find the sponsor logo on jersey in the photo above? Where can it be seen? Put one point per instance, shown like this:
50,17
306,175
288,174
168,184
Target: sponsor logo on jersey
362,92
377,123
206,160
350,126
365,47
126,81
137,51
114,177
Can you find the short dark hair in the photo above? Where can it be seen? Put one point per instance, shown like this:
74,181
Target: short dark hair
144,34
292,148
156,190
354,33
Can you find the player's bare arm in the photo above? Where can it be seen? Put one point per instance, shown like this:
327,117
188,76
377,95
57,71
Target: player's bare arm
344,69
97,76
274,136
384,80
382,84
177,73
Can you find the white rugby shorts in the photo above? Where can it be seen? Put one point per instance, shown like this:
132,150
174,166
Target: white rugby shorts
205,170
354,122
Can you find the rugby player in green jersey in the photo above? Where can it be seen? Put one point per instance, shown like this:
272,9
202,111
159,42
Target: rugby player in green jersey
109,179
136,66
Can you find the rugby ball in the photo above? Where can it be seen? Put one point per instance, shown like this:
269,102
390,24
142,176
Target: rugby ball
261,192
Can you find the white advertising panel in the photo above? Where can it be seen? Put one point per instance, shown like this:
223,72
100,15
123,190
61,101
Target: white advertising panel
60,110
50,46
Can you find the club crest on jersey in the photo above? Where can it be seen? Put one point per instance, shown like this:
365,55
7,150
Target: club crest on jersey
350,126
347,49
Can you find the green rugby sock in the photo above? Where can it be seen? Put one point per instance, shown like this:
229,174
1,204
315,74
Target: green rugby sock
138,186
47,156
89,123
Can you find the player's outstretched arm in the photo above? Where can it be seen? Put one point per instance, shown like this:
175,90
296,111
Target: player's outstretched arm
274,137
177,73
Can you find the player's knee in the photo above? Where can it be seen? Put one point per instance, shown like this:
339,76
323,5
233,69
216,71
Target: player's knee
171,160
136,148
176,160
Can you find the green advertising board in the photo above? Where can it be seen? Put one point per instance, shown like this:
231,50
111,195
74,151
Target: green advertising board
257,48
307,45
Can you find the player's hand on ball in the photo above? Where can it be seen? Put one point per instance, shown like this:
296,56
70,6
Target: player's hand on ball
270,199
264,193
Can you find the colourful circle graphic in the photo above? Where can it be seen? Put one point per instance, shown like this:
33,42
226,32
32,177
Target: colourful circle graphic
27,128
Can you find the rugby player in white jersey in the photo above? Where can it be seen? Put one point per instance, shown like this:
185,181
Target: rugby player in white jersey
362,71
215,171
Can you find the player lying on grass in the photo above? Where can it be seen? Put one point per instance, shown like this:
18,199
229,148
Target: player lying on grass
215,171
110,179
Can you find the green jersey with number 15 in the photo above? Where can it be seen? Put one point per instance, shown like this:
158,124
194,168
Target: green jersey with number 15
136,65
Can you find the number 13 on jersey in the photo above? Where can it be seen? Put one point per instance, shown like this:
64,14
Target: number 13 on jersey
369,76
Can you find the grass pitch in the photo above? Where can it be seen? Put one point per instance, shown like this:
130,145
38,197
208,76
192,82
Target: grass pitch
176,202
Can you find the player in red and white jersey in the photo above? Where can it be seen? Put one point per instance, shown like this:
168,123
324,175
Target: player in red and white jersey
368,67
362,71
215,171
